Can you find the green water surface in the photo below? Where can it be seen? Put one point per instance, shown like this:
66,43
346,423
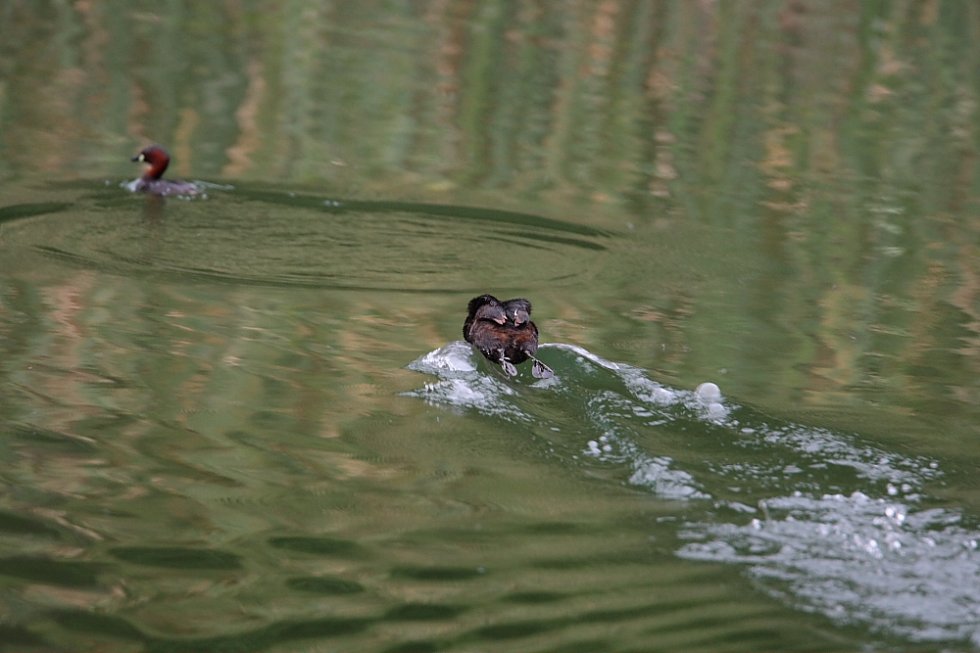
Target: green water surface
246,422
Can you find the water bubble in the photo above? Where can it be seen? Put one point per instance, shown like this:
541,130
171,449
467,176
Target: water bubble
708,393
895,514
860,497
716,412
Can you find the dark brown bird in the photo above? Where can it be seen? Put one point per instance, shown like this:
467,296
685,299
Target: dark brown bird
504,333
151,181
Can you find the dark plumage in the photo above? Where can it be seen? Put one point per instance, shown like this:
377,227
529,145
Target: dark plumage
504,333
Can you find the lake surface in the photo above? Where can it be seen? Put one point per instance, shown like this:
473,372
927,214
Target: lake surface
248,422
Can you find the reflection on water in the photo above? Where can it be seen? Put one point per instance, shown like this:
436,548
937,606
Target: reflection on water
182,452
213,431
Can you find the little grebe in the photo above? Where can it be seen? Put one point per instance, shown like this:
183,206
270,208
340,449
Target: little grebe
504,333
151,180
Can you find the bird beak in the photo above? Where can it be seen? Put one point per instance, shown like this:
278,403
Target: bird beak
138,157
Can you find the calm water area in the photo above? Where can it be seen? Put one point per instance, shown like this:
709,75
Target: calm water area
247,421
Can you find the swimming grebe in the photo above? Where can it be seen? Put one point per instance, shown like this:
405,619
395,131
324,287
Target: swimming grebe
151,180
504,333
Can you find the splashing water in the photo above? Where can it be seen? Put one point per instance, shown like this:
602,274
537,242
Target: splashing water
858,550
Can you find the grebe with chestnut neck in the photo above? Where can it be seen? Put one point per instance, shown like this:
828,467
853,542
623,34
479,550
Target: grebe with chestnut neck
504,333
151,181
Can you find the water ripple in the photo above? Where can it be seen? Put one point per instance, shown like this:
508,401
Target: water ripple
283,239
857,559
822,520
